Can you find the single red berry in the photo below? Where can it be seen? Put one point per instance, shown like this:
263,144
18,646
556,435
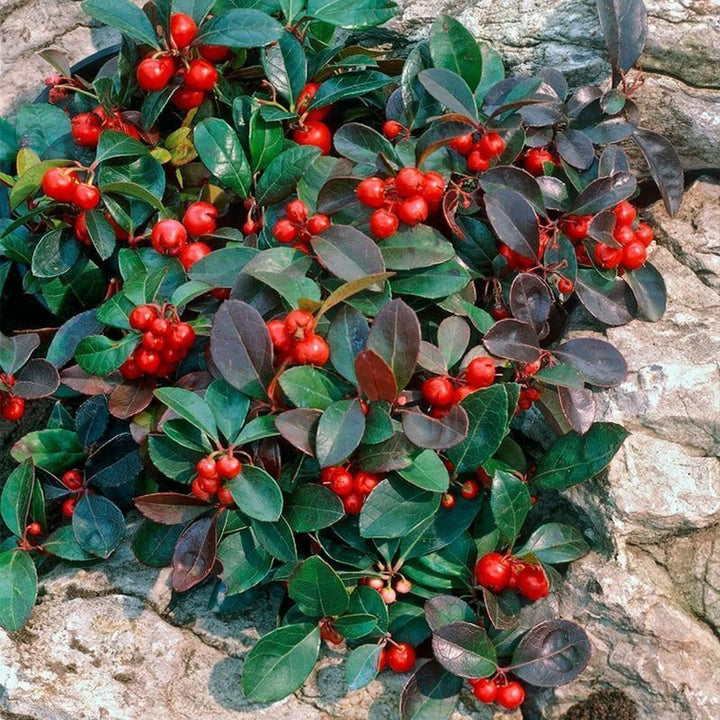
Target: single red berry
151,341
210,484
409,182
198,492
141,317
34,529
86,128
352,503
168,237
625,213
148,361
434,187
476,162
511,695
371,192
181,336
500,312
490,145
170,356
533,583
365,482
565,285
86,196
182,30
249,226
187,99
437,390
13,408
624,234
68,507
159,326
492,571
382,660
225,497
154,73
403,586
284,231
400,657
193,252
644,234
318,223
314,133
296,211
413,211
228,466
305,97
200,75
463,144
312,350
480,372
299,320
535,159
388,595
447,500
342,483
376,583
484,689
576,228
383,224
634,255
214,53
469,489
607,256
279,336
391,129
460,393
59,184
129,369
199,218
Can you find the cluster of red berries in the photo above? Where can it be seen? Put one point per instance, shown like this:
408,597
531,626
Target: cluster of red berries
398,656
73,480
87,126
312,130
170,237
478,152
295,340
469,489
442,392
351,488
11,407
165,342
634,238
409,197
211,471
295,228
197,76
389,586
506,694
63,184
497,572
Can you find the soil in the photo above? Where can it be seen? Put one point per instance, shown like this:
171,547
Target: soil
603,705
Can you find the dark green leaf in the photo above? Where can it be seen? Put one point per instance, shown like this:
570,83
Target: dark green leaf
648,287
244,563
62,544
16,498
52,450
348,85
427,472
256,494
664,164
282,174
191,406
554,543
361,666
99,355
339,432
98,525
154,544
241,28
125,17
510,503
18,588
317,589
310,387
313,507
453,48
220,151
277,538
449,89
285,65
430,694
465,650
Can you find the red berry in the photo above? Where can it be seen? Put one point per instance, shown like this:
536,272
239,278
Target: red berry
644,234
576,228
447,500
187,99
141,317
409,182
299,320
215,53
492,571
383,224
388,595
13,409
624,234
199,218
129,369
225,497
400,657
535,159
279,335
210,485
305,97
228,466
172,357
469,489
193,252
463,144
155,73
511,695
148,361
68,507
376,583
500,312
249,227
533,583
634,255
607,256
403,586
34,529
86,129
159,326
352,503
413,211
86,196
59,184
484,689
318,223
150,341
296,211
200,75
391,129
284,231
490,145
434,187
198,492
437,390
480,372
371,192
314,133
182,30
365,482
168,237
460,393
180,336
625,213
476,162
565,285
342,483
312,350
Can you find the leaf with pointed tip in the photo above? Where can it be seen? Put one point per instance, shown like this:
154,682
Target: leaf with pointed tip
436,433
430,694
604,193
648,288
170,508
599,362
18,588
464,649
98,525
510,503
624,27
195,553
514,340
514,221
578,407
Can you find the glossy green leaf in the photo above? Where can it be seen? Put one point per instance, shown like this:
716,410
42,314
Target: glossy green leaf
317,589
98,525
256,494
18,588
220,151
